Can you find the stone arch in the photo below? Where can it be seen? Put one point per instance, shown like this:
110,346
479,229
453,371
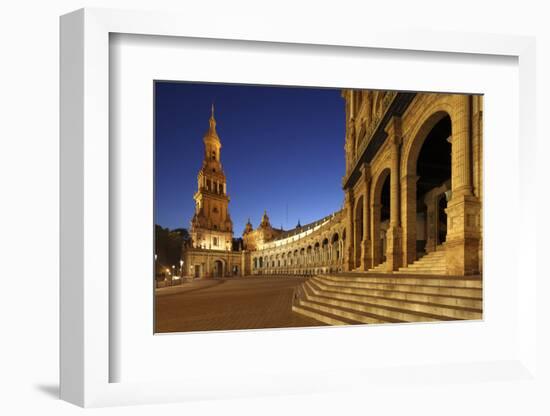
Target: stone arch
325,250
412,146
316,252
335,250
218,269
376,213
412,150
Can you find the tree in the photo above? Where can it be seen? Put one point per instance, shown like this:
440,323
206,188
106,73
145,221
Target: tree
168,247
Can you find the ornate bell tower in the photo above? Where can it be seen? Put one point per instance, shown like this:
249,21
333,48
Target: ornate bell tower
211,226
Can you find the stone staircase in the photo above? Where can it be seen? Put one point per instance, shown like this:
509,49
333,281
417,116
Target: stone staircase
432,263
381,268
352,298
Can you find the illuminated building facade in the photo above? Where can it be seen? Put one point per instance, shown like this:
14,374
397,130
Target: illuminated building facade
412,196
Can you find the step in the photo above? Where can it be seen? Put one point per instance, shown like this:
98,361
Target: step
425,266
323,318
380,269
429,270
424,280
435,298
438,272
368,275
358,310
429,261
363,317
430,258
423,289
367,303
439,256
342,313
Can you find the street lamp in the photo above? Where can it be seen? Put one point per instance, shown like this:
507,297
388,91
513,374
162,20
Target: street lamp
168,277
181,267
156,271
175,276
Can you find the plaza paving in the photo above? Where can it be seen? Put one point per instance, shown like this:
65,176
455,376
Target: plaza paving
233,303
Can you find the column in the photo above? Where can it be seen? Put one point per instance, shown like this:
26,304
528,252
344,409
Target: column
463,209
477,163
349,250
375,233
408,212
393,236
244,270
431,222
366,252
207,273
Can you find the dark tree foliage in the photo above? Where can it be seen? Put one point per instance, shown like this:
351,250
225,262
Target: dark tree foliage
168,247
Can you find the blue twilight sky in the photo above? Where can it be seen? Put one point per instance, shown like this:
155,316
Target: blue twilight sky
280,147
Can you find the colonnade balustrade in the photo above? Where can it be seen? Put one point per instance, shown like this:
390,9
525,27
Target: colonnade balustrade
312,259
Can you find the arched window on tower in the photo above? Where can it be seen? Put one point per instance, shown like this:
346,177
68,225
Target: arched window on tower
213,155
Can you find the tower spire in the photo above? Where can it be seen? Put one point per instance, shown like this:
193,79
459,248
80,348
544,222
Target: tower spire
212,122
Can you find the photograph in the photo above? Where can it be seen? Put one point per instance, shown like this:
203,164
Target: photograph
291,206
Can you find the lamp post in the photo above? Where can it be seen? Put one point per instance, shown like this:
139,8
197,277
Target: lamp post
181,268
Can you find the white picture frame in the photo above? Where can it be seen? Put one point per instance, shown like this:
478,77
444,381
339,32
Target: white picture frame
86,355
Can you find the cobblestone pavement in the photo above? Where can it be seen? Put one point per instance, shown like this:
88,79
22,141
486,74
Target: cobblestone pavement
234,303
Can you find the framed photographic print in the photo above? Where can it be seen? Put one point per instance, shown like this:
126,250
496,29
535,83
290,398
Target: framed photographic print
341,255
285,213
